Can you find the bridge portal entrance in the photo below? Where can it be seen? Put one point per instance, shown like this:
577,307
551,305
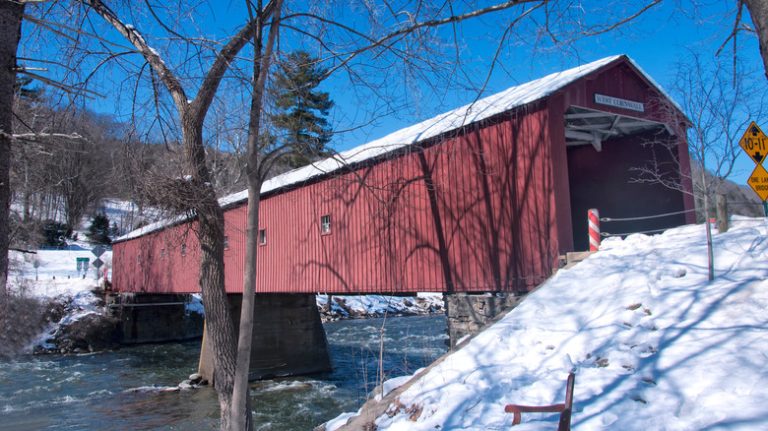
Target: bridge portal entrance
625,167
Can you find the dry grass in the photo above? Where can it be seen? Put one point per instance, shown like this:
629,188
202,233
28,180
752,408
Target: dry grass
20,322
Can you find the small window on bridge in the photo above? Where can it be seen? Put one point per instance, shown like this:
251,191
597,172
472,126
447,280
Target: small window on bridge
262,237
162,253
226,243
183,249
325,224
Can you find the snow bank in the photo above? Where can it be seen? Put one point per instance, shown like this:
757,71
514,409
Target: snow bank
54,272
52,277
356,306
654,345
195,305
126,214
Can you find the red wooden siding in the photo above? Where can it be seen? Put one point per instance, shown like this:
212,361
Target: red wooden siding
155,263
484,209
490,190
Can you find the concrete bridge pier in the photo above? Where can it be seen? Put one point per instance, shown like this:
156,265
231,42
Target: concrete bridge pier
288,337
468,313
153,318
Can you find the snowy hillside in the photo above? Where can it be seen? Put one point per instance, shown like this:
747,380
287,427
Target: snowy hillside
654,345
49,273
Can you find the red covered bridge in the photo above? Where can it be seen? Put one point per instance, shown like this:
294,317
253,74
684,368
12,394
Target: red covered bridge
484,198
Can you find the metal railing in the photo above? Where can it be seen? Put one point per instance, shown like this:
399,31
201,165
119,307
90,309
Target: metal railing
646,217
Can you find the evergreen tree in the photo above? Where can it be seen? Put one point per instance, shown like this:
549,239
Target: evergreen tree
98,231
114,231
55,233
25,89
301,109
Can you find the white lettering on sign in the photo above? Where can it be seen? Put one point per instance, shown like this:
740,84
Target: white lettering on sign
619,103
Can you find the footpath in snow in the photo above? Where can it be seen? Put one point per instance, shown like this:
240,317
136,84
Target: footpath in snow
653,343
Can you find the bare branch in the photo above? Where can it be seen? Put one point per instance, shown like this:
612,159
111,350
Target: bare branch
622,22
71,89
38,136
220,65
405,30
170,80
56,28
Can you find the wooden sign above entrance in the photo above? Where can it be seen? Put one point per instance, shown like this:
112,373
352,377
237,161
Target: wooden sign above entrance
754,143
602,99
758,180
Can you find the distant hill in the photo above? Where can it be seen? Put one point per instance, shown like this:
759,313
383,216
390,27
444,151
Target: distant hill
742,200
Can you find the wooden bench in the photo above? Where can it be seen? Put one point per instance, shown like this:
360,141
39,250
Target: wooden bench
564,409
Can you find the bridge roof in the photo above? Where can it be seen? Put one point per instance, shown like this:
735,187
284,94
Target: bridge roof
481,109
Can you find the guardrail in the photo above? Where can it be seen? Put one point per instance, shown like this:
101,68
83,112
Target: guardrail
594,223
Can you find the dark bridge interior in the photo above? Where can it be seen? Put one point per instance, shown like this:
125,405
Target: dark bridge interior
605,154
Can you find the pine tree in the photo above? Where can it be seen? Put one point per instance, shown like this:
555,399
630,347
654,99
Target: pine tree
301,109
25,90
98,231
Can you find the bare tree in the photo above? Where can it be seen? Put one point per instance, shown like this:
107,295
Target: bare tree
203,202
719,106
11,14
256,170
758,10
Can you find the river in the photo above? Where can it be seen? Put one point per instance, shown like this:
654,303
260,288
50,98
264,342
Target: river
122,389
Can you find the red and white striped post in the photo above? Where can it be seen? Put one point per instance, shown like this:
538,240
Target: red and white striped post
594,229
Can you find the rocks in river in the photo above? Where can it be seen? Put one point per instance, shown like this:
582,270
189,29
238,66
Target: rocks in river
56,309
197,380
333,307
77,324
89,333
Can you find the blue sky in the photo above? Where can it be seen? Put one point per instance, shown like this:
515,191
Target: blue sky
658,40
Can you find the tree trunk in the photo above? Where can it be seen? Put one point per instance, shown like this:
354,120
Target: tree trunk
210,218
10,32
722,212
241,411
758,10
710,249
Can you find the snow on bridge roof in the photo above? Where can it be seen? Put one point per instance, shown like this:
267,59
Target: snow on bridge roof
476,111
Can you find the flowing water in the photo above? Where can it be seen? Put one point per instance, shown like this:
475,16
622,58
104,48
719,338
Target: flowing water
122,390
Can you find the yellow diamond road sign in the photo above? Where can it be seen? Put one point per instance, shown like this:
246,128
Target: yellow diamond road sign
758,180
755,143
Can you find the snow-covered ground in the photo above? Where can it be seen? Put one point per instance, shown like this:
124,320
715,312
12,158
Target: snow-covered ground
653,343
126,214
52,277
50,273
357,306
